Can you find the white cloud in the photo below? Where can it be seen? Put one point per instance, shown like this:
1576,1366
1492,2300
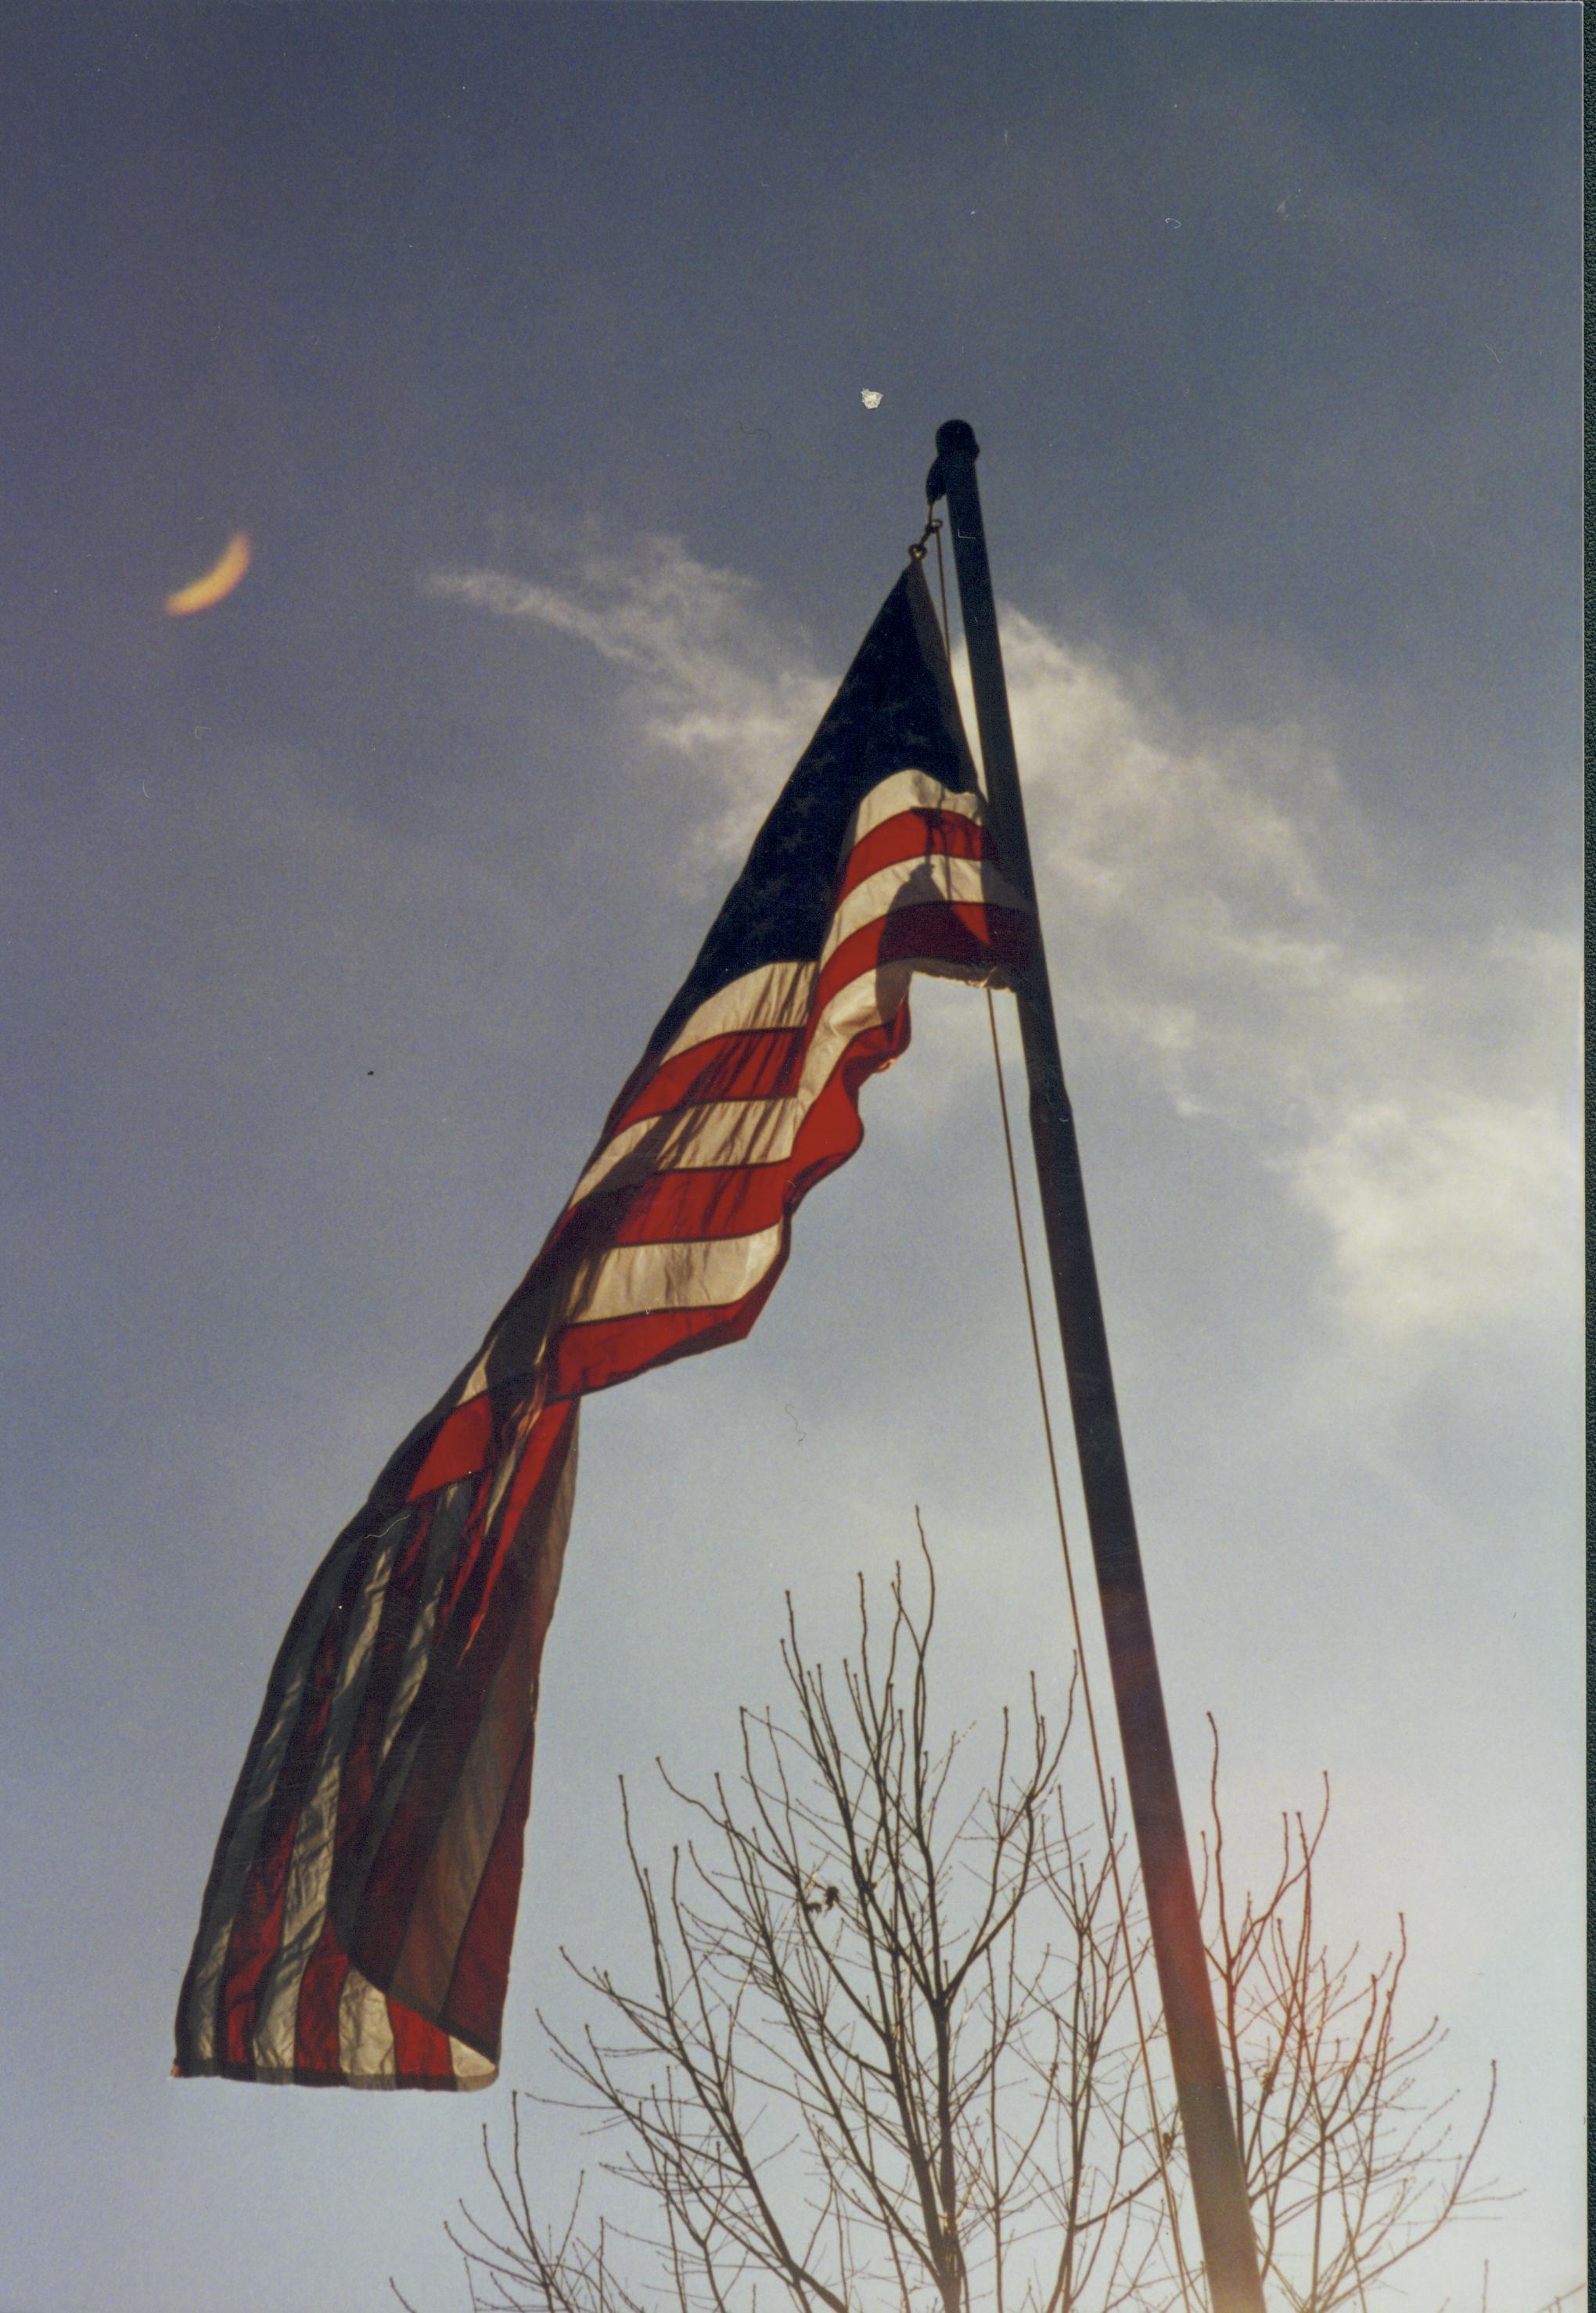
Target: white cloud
1214,905
1442,1208
1216,915
709,677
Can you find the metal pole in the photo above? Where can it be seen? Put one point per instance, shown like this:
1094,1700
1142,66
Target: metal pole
1219,2191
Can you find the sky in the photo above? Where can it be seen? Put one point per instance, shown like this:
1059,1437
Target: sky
530,347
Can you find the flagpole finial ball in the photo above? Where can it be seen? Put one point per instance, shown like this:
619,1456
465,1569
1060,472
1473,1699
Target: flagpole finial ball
956,444
957,439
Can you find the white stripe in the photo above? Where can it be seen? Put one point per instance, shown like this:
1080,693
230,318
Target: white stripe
453,1875
473,2070
449,1519
778,995
639,1279
775,996
246,1833
699,1136
309,1867
748,1131
448,1888
909,791
511,1455
921,881
365,2034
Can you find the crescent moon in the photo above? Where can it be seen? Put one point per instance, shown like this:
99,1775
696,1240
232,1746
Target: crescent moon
217,583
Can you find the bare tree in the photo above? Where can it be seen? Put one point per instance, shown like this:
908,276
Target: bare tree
1351,2160
889,2051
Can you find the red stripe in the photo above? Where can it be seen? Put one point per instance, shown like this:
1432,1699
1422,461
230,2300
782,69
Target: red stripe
965,933
459,1450
596,1355
590,1356
422,2054
542,1457
395,1817
751,1063
316,2023
922,832
710,1201
945,931
535,1439
482,1965
401,1605
258,1923
467,1577
657,1208
466,1653
306,2078
316,2037
420,2051
688,1203
316,2019
702,1203
743,1064
464,1593
493,1774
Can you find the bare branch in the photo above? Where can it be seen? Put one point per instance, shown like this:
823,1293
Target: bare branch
884,2051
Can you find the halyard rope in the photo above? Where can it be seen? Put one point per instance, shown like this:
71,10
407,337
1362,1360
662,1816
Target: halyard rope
933,530
1069,1575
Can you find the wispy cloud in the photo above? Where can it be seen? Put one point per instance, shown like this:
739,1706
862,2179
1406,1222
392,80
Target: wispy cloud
1402,1058
1216,914
710,677
1446,1207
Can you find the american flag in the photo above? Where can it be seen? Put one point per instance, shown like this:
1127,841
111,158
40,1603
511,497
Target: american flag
357,1922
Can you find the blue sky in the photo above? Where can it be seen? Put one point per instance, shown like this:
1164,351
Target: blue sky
529,345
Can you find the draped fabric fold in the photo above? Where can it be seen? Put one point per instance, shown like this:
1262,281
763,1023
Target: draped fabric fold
358,1924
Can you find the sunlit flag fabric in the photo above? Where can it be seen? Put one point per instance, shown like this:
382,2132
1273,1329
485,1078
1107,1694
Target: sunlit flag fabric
357,1922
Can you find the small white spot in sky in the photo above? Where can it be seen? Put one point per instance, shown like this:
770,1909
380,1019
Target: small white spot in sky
870,398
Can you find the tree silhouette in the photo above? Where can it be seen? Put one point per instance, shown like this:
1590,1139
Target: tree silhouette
888,2052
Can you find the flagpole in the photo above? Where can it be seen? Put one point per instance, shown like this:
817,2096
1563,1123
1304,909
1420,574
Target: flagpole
1219,2191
